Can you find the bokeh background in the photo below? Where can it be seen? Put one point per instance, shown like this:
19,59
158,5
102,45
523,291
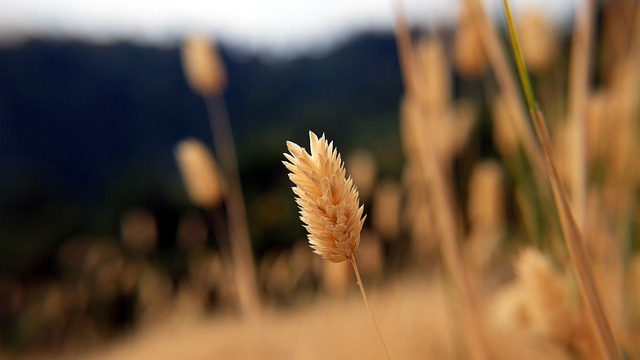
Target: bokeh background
100,242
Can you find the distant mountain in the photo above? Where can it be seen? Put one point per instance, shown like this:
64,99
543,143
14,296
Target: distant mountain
86,129
79,112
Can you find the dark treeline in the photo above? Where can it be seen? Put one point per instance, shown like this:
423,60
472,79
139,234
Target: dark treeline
88,130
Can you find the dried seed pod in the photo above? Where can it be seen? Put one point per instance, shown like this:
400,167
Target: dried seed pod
328,201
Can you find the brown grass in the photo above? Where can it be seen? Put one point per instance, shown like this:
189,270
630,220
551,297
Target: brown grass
439,189
415,315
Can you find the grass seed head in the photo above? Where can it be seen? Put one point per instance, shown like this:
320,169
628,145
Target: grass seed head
539,41
469,54
328,201
435,75
199,173
203,66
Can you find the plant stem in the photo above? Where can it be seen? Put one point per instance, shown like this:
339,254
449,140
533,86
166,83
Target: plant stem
366,303
573,236
577,252
442,197
239,238
498,60
525,82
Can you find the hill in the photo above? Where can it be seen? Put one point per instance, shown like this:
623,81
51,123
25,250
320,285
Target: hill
88,130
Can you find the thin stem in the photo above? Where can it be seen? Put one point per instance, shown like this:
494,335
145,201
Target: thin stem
442,195
517,52
507,83
218,223
572,234
239,238
366,303
578,253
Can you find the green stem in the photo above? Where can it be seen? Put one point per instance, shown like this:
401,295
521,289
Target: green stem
578,254
517,52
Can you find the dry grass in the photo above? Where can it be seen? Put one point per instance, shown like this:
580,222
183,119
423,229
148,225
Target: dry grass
430,109
206,74
486,274
329,206
413,315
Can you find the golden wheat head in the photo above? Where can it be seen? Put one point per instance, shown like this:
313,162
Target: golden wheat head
203,66
199,173
328,201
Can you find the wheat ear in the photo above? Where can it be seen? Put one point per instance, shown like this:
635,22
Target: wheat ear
329,205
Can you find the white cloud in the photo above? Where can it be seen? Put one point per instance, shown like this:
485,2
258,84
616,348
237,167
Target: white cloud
259,24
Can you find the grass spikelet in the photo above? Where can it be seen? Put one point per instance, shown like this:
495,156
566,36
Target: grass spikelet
469,54
328,201
435,85
203,66
539,41
199,173
329,205
545,294
537,305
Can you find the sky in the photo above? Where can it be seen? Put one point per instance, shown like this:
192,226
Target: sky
276,26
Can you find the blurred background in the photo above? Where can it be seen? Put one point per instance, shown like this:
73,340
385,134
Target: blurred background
99,238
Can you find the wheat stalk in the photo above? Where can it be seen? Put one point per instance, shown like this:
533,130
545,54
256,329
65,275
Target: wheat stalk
206,75
329,205
499,63
572,234
441,193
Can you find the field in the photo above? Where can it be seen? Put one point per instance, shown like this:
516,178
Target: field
509,229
